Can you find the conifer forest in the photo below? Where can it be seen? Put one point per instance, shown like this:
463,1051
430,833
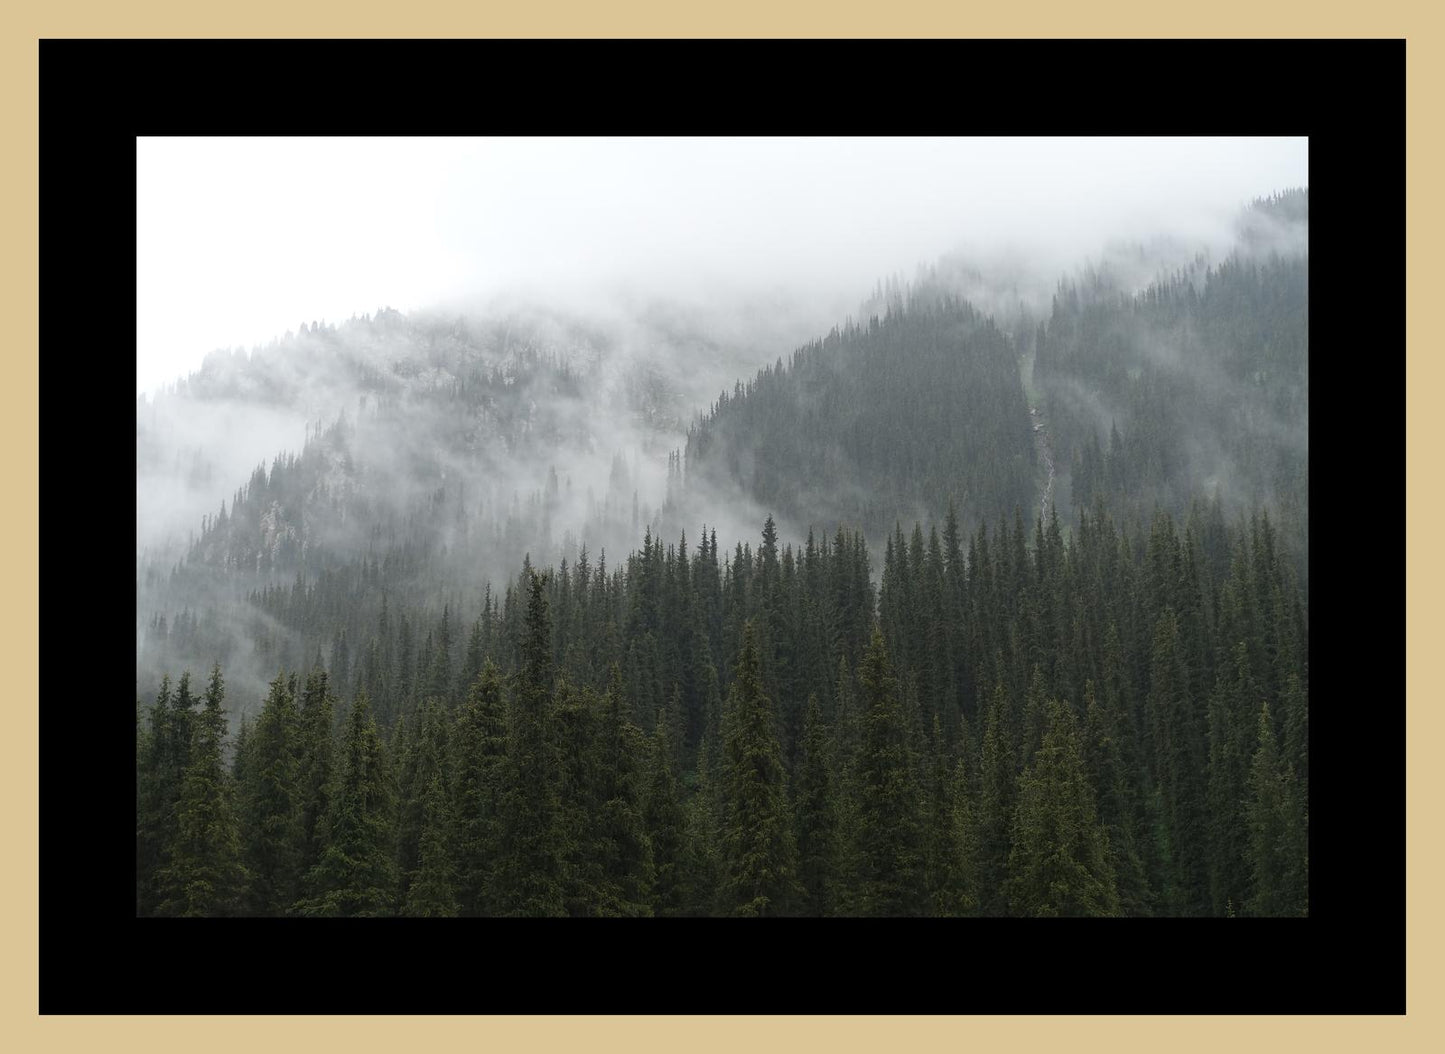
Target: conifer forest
988,597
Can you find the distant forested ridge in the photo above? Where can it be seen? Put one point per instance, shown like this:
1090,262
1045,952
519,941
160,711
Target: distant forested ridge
877,422
469,652
1198,382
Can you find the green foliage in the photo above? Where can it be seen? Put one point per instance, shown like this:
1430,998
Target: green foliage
919,404
270,804
1060,861
422,760
991,838
620,825
315,772
812,789
760,876
356,875
432,891
479,781
666,821
816,816
202,875
890,830
1279,846
530,860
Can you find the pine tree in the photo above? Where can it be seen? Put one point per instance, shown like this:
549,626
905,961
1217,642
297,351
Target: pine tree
315,766
480,758
203,875
759,854
627,861
1180,760
1231,746
1059,864
422,758
665,819
1117,804
992,836
582,843
1278,844
161,773
965,884
432,893
270,804
890,831
529,881
356,875
817,819
943,848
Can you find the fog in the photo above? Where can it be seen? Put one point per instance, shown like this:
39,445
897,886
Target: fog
240,240
518,332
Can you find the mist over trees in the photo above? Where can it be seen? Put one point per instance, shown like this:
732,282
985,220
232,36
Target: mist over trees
992,601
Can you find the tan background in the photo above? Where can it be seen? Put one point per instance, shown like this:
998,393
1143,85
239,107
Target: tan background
26,21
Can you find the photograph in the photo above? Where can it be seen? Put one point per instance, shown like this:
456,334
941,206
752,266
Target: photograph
722,526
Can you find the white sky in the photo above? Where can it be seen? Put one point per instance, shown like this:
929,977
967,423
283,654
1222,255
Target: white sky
239,240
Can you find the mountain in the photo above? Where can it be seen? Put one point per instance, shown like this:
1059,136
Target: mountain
953,611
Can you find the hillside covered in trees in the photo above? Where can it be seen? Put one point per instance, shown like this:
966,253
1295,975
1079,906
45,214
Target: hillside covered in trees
473,650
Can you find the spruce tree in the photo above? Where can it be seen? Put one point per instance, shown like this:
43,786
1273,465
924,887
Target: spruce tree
965,886
665,819
1232,734
992,836
706,811
270,804
890,831
480,759
422,758
1059,864
582,843
529,880
161,771
759,854
1116,802
356,875
626,850
1278,842
432,893
203,875
817,819
315,765
943,848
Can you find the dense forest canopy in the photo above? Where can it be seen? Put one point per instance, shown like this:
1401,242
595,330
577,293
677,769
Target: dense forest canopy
957,610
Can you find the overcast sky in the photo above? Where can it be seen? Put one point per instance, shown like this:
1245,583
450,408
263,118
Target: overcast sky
239,240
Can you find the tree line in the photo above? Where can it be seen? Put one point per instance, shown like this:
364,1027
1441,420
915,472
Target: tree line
1011,723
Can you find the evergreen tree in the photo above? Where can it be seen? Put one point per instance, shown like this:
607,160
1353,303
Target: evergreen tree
270,804
1059,864
1278,843
964,888
1116,801
315,772
817,820
1232,735
203,875
943,818
626,850
161,776
991,840
529,881
480,758
356,875
432,893
890,828
665,819
759,854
